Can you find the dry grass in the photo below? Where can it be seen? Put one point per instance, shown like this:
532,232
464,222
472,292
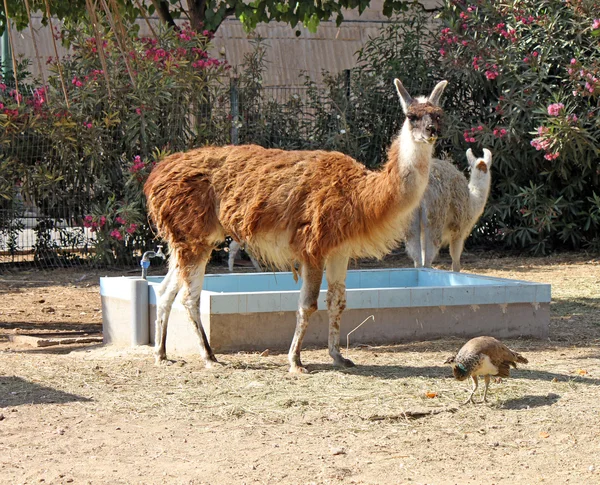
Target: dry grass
107,410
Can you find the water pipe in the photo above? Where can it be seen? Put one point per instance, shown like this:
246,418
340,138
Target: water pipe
145,262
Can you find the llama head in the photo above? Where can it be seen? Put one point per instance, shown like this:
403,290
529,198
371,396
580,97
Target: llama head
423,114
479,166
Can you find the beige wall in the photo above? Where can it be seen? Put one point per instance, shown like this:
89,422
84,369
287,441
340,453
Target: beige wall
330,48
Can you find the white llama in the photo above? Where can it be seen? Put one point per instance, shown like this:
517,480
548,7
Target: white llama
450,208
234,249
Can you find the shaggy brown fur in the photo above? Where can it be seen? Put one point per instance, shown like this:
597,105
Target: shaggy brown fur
321,200
315,208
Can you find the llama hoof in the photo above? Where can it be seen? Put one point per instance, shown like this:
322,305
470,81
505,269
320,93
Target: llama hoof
298,369
160,359
342,362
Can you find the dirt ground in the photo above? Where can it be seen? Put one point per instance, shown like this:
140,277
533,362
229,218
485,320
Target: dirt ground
92,414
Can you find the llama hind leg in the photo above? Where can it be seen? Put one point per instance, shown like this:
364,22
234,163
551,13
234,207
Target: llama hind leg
234,248
309,294
192,290
413,239
166,294
336,270
456,249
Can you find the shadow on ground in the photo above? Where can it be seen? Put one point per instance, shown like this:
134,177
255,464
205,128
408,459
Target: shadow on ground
15,391
401,372
530,401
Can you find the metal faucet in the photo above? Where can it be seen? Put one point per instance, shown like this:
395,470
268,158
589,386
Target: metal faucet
145,262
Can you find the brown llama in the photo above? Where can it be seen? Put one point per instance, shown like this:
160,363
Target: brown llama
315,208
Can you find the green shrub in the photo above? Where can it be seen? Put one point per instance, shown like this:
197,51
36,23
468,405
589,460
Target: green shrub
79,155
532,68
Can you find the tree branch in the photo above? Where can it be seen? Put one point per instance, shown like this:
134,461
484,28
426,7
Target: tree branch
162,9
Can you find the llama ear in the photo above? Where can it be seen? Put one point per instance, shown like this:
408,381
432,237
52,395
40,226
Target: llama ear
436,94
471,158
487,157
405,98
449,360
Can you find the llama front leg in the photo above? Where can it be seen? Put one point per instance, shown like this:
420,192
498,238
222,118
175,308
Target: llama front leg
336,270
309,294
165,296
456,249
192,290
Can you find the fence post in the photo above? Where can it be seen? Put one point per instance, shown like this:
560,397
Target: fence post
235,110
6,55
347,83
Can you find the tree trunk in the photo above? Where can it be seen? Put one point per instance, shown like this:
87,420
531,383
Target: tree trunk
197,10
162,9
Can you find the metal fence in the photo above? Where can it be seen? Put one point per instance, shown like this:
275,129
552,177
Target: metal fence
49,230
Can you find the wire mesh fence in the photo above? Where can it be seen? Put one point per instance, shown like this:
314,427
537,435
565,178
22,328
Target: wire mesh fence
53,219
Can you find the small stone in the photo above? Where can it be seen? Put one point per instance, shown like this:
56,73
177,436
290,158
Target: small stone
591,468
60,431
338,451
265,353
48,309
1,417
42,301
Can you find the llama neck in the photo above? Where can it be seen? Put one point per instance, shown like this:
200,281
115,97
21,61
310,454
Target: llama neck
479,190
398,188
413,161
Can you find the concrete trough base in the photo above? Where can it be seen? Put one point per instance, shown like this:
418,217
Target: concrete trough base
253,312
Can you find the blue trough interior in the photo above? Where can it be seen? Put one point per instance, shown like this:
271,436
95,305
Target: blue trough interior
252,311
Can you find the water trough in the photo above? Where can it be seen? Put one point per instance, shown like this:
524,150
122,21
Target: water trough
255,311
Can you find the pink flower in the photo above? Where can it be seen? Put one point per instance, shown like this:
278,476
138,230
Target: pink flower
596,24
526,59
573,61
138,111
554,109
131,229
116,234
442,52
1,106
102,220
480,128
18,96
88,125
120,220
573,118
491,74
87,221
551,156
535,54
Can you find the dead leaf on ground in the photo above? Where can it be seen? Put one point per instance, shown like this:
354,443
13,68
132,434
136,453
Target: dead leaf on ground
544,434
